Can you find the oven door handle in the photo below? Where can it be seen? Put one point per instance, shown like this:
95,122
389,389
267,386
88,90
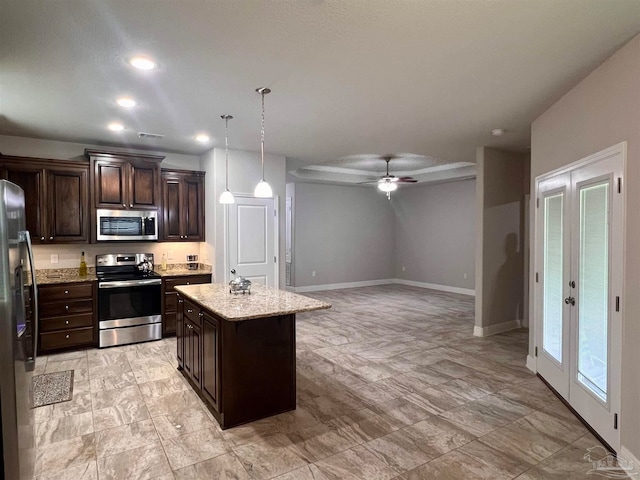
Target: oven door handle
130,283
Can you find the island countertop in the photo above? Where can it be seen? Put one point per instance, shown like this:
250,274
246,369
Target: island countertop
262,302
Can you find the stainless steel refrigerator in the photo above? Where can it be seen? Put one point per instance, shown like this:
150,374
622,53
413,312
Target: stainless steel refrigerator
18,336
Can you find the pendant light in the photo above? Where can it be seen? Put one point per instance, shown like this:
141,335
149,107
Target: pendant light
227,196
263,190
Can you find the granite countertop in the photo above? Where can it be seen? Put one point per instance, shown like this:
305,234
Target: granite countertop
180,272
262,302
64,275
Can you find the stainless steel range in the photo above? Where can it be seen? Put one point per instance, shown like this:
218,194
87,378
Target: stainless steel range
129,299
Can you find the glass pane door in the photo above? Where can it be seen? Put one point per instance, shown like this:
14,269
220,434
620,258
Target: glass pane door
593,312
553,276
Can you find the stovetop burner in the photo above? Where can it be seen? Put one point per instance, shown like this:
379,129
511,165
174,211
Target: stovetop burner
125,266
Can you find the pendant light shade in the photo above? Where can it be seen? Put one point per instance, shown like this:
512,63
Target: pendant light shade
226,197
263,189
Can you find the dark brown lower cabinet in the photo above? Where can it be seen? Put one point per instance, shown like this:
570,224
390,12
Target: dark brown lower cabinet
66,316
170,299
243,370
210,360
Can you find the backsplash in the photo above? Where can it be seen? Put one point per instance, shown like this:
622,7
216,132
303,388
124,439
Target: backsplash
69,255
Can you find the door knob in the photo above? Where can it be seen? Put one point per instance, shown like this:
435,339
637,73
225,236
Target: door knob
570,300
572,284
233,270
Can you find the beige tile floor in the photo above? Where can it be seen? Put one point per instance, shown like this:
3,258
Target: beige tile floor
391,384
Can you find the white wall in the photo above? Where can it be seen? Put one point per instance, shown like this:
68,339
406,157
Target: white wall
245,172
601,111
435,233
343,233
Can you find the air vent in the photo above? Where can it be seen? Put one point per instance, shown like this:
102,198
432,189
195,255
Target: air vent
150,135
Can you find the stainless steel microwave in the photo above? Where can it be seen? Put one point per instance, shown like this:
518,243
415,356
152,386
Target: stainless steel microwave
126,225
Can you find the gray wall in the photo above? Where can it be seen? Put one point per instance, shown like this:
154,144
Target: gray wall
499,236
435,233
344,233
601,111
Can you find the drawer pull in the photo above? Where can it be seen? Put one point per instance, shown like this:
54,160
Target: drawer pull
66,322
66,307
66,336
189,310
201,314
66,292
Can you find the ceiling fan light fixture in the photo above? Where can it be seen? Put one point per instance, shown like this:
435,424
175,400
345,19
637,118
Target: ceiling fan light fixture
387,186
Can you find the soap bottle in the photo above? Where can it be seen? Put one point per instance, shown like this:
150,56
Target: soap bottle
83,266
164,263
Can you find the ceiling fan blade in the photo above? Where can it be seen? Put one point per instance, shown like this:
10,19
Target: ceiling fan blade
407,180
370,182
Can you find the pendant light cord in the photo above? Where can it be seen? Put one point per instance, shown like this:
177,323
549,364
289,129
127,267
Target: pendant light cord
226,151
262,135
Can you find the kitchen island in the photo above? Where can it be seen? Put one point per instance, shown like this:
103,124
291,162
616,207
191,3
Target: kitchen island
238,351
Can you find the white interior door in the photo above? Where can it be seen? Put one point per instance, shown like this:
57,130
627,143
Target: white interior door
251,240
579,252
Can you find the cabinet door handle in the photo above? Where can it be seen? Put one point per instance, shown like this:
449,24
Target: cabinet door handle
188,283
66,292
131,205
66,307
201,314
66,336
66,322
189,310
124,205
50,238
42,239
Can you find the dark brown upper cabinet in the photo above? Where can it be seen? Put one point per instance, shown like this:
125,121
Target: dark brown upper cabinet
56,197
123,181
182,206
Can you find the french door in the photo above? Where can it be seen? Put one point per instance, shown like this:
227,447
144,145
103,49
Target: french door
579,262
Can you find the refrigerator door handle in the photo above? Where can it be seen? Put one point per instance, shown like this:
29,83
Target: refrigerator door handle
31,361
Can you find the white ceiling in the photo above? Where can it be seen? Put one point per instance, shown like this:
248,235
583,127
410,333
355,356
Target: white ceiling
348,77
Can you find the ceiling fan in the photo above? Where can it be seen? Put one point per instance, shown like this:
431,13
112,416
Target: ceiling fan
389,183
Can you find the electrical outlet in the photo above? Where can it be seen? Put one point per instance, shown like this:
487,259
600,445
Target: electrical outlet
54,258
169,255
313,273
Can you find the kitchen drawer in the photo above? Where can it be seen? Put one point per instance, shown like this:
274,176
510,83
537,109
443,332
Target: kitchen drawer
65,308
50,293
170,302
192,313
170,283
66,338
66,322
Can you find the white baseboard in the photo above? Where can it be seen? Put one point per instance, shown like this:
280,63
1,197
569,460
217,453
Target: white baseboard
531,364
339,286
385,281
435,286
629,457
497,328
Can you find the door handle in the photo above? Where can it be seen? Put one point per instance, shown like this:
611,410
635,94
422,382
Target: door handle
570,300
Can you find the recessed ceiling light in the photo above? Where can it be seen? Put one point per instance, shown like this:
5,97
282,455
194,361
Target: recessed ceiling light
497,132
202,138
115,127
126,102
142,63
